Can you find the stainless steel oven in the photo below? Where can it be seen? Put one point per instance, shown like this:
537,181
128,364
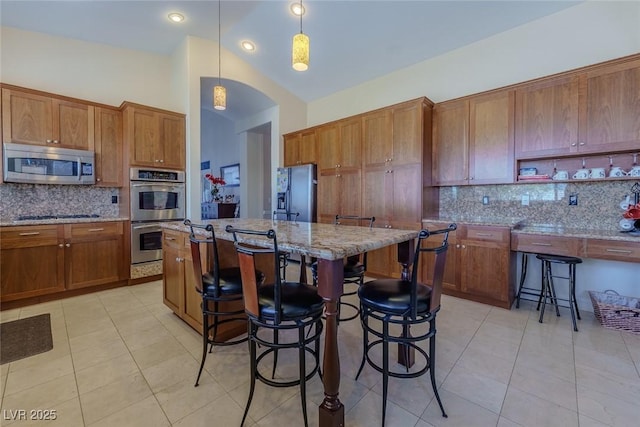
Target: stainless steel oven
157,195
146,242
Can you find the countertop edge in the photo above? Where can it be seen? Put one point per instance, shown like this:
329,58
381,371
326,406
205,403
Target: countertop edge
15,223
521,227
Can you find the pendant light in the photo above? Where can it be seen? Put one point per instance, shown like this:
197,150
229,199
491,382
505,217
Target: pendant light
300,49
219,91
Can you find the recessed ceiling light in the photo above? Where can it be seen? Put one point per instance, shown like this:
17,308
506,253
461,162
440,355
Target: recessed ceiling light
297,9
176,17
247,45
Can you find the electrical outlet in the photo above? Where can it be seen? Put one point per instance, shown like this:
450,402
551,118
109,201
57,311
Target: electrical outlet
525,200
485,200
114,199
573,200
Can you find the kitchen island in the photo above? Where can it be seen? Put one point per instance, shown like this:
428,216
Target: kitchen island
330,244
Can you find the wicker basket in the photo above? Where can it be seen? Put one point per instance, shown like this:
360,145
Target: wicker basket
615,311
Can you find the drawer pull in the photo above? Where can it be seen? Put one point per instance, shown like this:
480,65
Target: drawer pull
93,230
169,238
484,234
619,251
540,244
30,233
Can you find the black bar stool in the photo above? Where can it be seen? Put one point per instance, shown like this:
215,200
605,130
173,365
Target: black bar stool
548,288
524,290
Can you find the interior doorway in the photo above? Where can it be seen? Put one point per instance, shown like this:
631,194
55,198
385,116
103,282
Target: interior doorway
241,134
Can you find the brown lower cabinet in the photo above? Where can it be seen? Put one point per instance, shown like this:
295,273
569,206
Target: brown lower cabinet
38,260
480,265
179,283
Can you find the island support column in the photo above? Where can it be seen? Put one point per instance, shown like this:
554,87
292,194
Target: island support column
330,287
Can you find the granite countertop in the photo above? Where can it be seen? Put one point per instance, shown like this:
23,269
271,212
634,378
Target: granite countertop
520,226
578,233
6,222
325,241
510,222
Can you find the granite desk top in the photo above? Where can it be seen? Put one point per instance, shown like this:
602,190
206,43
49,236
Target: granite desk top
467,220
325,241
5,222
578,233
521,226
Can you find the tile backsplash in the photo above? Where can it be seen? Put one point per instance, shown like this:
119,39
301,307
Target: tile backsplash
598,203
40,199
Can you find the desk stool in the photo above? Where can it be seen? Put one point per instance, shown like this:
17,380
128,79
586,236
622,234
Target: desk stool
548,288
537,292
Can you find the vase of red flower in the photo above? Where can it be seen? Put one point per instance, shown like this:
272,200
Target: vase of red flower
216,182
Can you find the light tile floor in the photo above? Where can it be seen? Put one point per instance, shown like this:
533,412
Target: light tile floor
121,358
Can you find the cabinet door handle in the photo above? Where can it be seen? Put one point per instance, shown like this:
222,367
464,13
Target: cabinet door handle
573,144
540,244
30,233
68,245
49,141
178,259
61,245
582,143
93,230
484,234
619,251
169,238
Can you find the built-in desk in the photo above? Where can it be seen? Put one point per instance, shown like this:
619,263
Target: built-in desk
593,244
482,264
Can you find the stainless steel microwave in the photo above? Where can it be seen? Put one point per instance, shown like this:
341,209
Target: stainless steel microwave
47,165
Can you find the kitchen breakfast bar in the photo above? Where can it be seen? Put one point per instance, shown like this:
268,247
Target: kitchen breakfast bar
330,244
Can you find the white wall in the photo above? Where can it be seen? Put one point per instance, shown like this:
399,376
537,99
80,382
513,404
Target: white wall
581,35
85,70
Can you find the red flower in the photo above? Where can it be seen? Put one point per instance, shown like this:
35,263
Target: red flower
215,180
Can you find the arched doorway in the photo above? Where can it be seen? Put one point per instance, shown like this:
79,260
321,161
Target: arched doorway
240,134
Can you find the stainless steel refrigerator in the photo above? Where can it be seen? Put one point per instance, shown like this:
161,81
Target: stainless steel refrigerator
296,192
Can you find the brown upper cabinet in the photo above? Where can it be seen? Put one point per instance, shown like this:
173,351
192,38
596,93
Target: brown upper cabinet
611,115
39,119
108,146
300,148
394,147
156,138
596,110
474,140
339,169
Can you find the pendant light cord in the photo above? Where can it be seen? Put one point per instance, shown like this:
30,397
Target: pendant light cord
219,52
301,13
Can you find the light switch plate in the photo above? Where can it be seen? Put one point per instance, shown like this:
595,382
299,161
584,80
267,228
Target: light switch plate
485,200
525,200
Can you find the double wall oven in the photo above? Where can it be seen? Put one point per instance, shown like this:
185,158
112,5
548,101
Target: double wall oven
157,195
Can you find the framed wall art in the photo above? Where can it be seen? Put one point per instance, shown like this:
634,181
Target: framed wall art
231,175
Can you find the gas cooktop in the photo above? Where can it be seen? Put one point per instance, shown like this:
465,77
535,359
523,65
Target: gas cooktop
40,217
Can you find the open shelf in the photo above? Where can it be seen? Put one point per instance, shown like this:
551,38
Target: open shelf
572,164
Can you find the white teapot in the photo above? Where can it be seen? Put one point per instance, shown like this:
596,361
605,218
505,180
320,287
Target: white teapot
617,172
